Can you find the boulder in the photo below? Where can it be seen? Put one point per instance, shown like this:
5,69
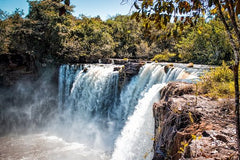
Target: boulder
167,67
128,71
190,65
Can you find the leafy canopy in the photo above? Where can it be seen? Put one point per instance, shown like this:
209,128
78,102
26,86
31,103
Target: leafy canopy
162,12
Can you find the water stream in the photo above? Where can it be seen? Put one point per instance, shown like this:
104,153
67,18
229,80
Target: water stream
95,119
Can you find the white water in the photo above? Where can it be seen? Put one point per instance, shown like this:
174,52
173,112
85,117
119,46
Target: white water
135,140
96,120
85,109
98,115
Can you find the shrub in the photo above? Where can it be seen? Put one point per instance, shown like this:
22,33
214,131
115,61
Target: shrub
164,56
218,82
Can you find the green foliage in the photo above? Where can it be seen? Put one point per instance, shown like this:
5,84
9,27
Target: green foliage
3,15
218,82
164,57
206,43
46,33
161,12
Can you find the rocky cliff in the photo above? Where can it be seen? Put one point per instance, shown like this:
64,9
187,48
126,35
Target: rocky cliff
14,67
189,126
24,85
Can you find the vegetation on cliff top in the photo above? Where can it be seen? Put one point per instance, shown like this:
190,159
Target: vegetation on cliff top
50,31
218,82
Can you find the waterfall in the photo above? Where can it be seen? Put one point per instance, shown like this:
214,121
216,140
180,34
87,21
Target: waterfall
67,74
87,95
95,112
136,137
95,118
149,75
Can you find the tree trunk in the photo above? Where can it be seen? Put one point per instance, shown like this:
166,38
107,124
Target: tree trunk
236,85
236,63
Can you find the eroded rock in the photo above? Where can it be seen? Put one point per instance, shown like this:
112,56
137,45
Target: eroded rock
127,71
192,127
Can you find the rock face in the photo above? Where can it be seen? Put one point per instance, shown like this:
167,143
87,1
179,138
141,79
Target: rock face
190,126
28,90
16,66
128,70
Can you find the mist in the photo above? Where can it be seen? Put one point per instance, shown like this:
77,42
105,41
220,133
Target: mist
28,105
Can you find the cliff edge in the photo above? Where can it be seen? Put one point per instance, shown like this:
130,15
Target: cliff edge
189,126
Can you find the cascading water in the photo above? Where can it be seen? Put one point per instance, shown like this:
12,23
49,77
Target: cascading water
99,115
98,120
135,141
85,108
67,74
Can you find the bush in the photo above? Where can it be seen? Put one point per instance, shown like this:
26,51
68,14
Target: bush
218,82
165,56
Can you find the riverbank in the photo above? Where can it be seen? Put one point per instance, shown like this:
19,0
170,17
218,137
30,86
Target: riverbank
192,126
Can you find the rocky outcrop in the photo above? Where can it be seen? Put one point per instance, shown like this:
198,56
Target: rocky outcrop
16,66
191,126
127,71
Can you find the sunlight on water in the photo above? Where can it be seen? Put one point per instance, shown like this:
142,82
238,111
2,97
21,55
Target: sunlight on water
95,119
136,138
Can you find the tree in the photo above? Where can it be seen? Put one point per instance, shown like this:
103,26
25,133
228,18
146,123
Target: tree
126,35
189,12
207,43
53,20
9,27
3,15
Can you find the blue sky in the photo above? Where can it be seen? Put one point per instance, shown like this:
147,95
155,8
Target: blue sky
104,8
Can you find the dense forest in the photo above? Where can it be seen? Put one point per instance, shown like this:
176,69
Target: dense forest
50,32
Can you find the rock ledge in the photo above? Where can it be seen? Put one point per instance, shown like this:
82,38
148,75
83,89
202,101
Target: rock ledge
192,127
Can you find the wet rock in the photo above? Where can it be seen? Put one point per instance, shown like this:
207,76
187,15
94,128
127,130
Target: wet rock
106,61
120,61
190,65
168,67
128,71
85,70
117,68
